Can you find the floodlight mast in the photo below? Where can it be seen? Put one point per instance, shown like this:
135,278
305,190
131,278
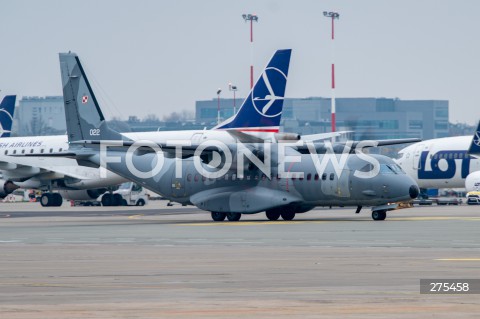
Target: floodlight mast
333,16
234,89
219,90
251,18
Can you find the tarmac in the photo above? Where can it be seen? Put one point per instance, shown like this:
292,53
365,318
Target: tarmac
174,262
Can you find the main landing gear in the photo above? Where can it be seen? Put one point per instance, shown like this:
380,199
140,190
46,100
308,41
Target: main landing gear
109,199
51,199
232,217
274,214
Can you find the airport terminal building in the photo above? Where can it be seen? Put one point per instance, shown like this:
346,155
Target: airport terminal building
36,116
368,118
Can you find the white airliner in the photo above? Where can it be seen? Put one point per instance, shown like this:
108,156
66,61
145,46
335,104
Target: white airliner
443,162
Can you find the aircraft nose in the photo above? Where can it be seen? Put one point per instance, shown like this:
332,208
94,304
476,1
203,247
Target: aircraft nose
413,191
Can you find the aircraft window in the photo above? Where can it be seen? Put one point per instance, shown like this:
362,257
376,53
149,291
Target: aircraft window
196,177
23,151
256,177
450,156
51,150
60,149
396,168
332,176
317,177
460,155
31,151
14,151
204,178
436,156
248,177
324,176
455,155
385,169
189,177
6,152
226,177
234,177
264,177
431,156
309,177
41,151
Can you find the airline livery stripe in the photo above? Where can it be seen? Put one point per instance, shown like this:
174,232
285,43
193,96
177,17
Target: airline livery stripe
259,130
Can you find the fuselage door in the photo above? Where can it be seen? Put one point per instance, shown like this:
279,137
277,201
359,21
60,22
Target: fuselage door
417,152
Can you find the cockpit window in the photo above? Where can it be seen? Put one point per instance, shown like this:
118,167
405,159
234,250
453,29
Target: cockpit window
390,169
396,168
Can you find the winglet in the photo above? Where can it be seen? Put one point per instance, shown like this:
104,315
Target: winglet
261,111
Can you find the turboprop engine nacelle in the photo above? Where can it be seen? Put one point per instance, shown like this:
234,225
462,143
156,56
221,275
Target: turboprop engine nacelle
284,137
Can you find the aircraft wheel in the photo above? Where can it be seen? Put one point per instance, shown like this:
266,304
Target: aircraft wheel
117,200
57,199
218,217
288,215
46,200
234,217
272,214
379,215
107,199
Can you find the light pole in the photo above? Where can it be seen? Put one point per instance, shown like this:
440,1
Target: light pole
251,18
234,89
333,16
218,105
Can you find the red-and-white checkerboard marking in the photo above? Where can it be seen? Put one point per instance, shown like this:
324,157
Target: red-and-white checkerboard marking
84,99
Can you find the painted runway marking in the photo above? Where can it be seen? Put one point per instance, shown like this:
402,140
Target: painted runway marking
251,223
458,259
135,216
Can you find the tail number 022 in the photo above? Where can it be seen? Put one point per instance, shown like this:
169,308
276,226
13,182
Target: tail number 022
94,132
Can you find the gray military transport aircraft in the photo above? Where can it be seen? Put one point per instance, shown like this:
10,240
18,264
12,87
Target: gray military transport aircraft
282,179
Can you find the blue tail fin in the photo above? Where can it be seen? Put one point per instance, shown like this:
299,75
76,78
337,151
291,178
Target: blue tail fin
262,109
475,144
7,107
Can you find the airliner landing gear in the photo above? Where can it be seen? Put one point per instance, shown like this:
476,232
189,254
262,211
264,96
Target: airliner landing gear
109,199
51,199
218,217
379,214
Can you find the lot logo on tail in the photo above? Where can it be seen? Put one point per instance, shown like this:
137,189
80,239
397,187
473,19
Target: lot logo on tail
264,99
476,138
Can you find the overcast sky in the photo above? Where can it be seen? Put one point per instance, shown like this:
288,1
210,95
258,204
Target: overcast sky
157,57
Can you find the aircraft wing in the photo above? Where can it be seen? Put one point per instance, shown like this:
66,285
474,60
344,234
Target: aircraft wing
22,167
323,136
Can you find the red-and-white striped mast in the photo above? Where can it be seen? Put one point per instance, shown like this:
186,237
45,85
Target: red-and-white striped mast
251,18
333,16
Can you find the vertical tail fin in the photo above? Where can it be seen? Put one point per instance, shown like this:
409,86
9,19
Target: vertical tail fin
85,120
474,148
7,108
262,109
